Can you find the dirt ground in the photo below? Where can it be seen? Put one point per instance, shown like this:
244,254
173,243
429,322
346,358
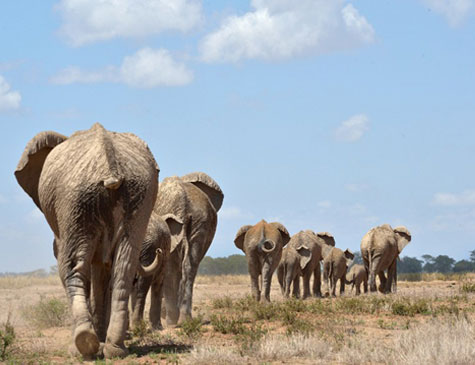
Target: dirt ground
340,322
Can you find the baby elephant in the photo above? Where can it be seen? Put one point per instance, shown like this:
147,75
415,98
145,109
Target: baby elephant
335,265
356,276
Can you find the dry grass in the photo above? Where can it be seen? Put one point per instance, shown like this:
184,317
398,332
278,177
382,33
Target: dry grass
426,322
20,281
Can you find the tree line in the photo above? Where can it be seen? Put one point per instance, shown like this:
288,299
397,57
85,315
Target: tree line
237,264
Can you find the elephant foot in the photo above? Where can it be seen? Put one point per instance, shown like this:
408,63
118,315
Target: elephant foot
157,326
85,340
183,318
114,351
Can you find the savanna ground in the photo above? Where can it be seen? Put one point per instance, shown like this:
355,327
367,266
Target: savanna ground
428,322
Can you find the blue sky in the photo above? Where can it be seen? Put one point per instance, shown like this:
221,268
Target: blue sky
326,115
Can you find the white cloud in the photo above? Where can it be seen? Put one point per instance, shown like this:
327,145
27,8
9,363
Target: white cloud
355,188
447,199
230,213
324,204
88,21
352,129
280,29
9,100
455,11
146,68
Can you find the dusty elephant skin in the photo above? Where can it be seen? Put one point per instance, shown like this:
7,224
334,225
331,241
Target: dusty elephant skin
262,244
380,248
195,200
160,233
96,190
301,257
335,265
356,276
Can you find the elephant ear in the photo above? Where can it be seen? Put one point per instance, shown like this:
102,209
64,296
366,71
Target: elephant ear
327,237
404,237
239,239
208,186
32,160
349,256
175,225
283,232
305,256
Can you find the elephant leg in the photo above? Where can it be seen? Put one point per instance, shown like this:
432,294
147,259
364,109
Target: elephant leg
254,273
141,289
289,278
317,281
186,303
365,285
306,284
326,281
126,259
342,285
171,287
391,283
296,287
156,295
281,278
100,298
358,284
267,272
382,280
74,263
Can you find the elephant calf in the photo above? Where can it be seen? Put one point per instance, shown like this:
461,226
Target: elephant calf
335,265
161,231
262,244
301,257
356,276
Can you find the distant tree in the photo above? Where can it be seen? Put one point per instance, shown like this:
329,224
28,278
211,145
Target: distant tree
53,270
231,265
441,263
464,266
409,265
472,256
357,260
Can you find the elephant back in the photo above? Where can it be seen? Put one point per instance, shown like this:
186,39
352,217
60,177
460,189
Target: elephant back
206,184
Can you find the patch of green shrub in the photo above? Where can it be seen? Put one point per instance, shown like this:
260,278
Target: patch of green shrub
52,312
7,337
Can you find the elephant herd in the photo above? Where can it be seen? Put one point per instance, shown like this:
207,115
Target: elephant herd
119,234
115,237
268,246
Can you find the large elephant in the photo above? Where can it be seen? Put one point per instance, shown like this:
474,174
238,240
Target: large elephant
301,257
380,248
96,189
356,276
262,244
335,265
161,231
195,200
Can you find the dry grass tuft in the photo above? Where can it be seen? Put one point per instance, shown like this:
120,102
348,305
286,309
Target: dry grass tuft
207,354
279,348
48,312
20,281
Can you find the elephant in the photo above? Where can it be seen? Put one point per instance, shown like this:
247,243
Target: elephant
96,190
301,257
161,231
356,276
380,249
195,200
335,265
262,245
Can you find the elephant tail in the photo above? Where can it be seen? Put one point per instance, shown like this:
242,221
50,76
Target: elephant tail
267,246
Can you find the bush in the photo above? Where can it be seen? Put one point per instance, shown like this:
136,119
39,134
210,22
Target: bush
47,313
224,325
7,336
192,327
468,287
406,308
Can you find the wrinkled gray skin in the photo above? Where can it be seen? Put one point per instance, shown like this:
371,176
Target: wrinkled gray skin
195,200
356,276
96,190
335,264
262,244
380,248
161,231
301,257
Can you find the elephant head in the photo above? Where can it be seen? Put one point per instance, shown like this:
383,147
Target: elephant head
349,257
403,237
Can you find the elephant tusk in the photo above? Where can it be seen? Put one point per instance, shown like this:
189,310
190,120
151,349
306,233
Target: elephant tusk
153,267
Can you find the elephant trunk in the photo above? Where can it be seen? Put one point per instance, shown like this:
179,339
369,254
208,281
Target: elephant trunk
146,271
267,246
